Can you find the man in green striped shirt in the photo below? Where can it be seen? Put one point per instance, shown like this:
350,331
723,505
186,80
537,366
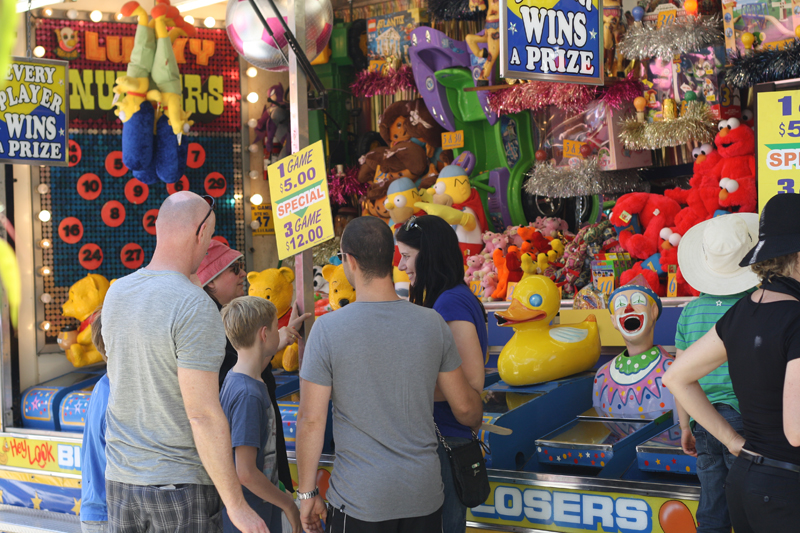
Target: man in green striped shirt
708,256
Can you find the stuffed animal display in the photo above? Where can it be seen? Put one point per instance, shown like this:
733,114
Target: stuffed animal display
341,292
85,298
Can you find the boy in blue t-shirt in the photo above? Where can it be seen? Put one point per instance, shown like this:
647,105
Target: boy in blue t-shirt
94,512
251,324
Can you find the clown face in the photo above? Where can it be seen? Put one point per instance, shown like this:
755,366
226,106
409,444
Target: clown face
634,314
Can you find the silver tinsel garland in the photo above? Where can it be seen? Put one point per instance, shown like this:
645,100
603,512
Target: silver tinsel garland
697,125
585,178
687,34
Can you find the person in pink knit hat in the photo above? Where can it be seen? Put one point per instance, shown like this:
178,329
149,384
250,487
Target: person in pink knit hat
222,275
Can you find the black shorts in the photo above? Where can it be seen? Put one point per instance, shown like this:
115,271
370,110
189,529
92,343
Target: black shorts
339,522
144,508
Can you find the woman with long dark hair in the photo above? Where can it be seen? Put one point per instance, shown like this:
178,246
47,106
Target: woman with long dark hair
431,258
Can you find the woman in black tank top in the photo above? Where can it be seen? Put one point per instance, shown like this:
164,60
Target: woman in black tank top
759,337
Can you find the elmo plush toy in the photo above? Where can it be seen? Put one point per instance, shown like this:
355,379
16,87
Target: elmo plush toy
738,195
736,143
700,202
655,212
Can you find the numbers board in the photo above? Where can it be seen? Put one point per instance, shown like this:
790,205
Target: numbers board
301,205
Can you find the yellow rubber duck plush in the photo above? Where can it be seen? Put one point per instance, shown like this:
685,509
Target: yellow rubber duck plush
85,297
276,285
539,352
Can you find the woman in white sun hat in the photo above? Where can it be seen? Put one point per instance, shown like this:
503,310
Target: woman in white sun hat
709,256
759,337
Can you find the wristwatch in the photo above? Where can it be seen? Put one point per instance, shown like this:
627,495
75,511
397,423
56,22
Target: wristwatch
308,495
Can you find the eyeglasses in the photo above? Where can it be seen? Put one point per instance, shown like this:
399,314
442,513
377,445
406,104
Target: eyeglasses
412,223
211,203
237,267
341,255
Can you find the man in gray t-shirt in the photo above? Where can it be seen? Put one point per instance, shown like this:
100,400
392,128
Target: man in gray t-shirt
167,440
379,360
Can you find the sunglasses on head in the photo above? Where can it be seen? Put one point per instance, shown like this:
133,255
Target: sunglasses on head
211,203
412,223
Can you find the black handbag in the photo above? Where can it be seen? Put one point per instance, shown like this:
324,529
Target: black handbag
470,476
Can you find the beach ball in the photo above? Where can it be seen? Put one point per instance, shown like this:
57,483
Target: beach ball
254,44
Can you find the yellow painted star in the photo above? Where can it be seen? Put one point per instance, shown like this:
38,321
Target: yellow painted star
658,461
37,501
77,508
580,455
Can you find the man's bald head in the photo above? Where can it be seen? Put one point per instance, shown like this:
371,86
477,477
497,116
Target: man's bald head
180,214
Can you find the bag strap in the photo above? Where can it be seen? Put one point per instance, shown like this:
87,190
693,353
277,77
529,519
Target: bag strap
474,437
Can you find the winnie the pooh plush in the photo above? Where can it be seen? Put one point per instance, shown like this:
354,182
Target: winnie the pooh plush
340,291
85,297
275,285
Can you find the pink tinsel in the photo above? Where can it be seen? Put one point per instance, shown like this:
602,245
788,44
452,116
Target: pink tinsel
569,97
536,95
623,92
343,187
373,83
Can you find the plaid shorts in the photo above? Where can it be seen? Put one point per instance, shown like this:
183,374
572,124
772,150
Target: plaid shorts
149,509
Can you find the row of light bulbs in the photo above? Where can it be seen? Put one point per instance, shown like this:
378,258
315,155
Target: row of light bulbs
252,97
45,244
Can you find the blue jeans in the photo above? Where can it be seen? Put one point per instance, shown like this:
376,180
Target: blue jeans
454,513
713,463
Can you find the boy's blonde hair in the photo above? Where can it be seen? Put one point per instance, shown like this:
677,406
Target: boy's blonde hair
97,337
244,316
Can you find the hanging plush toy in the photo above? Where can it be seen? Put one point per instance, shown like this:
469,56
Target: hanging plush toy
151,138
411,121
273,127
490,37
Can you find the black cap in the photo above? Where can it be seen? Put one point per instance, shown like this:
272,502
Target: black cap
778,230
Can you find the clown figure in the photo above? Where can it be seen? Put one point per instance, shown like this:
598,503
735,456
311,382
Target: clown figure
454,200
629,386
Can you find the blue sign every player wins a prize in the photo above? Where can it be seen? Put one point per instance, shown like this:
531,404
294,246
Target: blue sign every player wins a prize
552,40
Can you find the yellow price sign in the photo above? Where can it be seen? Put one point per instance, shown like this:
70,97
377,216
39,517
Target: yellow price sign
605,284
572,148
778,149
452,139
301,205
263,215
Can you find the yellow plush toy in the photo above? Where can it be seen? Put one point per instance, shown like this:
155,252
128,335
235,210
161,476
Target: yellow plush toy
340,292
275,285
85,297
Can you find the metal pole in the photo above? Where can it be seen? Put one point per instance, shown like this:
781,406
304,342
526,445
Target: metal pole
298,112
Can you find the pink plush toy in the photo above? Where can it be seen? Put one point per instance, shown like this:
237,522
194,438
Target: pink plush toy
488,266
488,238
513,237
489,284
550,226
474,264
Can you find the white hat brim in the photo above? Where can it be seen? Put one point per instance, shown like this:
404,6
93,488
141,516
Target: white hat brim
696,271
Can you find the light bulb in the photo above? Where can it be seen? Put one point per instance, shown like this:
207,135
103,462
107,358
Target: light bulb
44,215
39,51
253,148
43,188
252,72
44,326
254,174
96,16
254,225
72,14
46,298
209,22
119,16
188,19
45,271
256,199
45,244
47,12
252,98
252,123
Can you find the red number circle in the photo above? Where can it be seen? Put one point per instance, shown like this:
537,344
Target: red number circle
114,164
113,214
196,156
136,192
132,255
89,186
90,256
221,239
74,153
70,230
215,184
149,221
180,185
